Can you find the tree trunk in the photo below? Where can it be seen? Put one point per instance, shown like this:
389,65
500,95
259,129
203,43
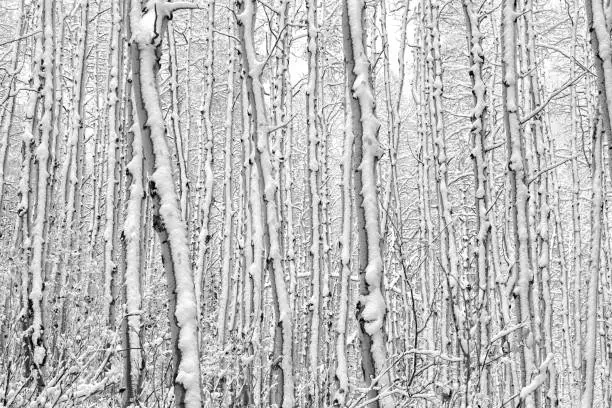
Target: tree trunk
147,29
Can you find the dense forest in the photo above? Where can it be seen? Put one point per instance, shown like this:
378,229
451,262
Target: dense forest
306,203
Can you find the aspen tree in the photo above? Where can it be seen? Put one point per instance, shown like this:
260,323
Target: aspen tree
231,264
479,130
131,237
40,186
78,128
131,242
245,246
529,133
256,232
110,268
391,222
425,166
147,28
574,359
519,196
175,120
505,276
283,392
24,208
606,345
448,246
205,164
342,379
233,232
188,102
227,199
371,308
531,165
393,120
561,250
285,103
8,111
594,264
6,126
59,304
325,121
314,187
102,136
600,43
602,50
541,182
71,171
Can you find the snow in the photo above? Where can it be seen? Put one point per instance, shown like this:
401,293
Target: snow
538,380
374,303
314,262
112,102
131,230
42,151
144,25
268,169
188,371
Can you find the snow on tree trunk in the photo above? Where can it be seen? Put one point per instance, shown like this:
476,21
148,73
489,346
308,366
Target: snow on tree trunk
342,379
205,161
541,187
175,121
8,111
132,253
519,195
147,27
39,186
371,307
602,52
314,259
597,204
132,236
283,394
575,360
480,125
25,206
111,165
227,200
448,246
257,236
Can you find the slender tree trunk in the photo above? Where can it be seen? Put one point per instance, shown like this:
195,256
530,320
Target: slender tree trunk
371,308
8,110
112,165
480,129
147,27
227,199
175,121
205,165
519,198
40,187
282,369
594,264
314,194
342,379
